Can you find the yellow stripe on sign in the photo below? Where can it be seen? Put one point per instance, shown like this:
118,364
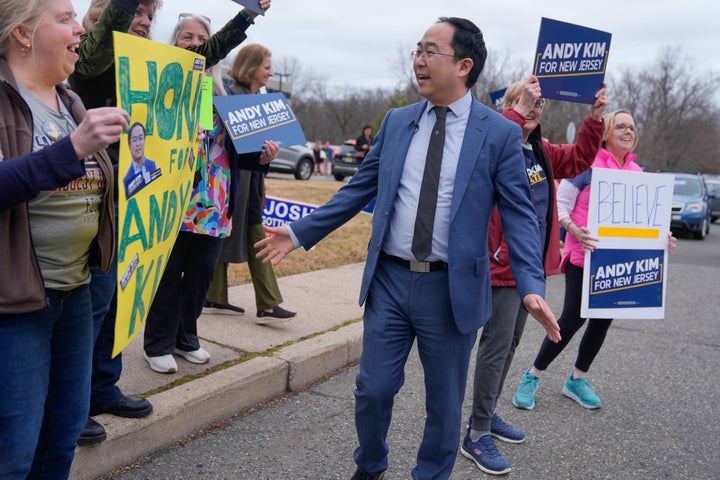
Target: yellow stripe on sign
628,232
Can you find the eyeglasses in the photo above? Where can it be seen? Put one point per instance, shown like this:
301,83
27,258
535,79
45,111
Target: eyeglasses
193,15
540,103
621,127
428,54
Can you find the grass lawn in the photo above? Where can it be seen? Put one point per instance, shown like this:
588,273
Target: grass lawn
348,244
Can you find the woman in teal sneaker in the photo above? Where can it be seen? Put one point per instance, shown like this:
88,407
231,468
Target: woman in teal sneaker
573,196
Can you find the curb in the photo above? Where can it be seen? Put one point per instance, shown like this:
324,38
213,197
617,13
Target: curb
195,405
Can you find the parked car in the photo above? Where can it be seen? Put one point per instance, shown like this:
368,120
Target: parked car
713,186
344,163
298,160
691,205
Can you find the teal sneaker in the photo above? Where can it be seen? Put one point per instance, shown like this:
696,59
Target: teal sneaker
525,395
582,392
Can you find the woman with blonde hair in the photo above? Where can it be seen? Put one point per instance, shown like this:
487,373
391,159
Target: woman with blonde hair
56,215
250,72
94,81
619,140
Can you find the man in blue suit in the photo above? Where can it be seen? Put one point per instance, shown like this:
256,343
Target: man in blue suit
441,299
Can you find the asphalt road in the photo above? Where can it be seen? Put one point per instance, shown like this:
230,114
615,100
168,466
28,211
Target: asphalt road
655,377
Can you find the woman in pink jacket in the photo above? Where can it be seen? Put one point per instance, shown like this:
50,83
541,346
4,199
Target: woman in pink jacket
573,197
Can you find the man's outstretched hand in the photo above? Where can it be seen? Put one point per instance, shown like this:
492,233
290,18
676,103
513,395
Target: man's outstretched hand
276,245
540,310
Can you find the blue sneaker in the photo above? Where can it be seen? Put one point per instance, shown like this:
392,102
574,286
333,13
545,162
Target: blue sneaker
582,392
485,455
525,395
502,431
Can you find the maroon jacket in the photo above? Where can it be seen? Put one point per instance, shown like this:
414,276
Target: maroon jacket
558,161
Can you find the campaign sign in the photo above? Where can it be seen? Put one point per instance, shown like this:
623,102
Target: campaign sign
160,86
496,98
253,5
626,275
279,211
252,119
570,61
626,278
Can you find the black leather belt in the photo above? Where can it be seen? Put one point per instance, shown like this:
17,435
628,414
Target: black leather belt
419,267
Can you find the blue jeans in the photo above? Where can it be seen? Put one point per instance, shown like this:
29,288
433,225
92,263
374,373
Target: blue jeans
45,389
106,370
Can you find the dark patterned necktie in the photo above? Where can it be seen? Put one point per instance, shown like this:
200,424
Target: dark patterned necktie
425,217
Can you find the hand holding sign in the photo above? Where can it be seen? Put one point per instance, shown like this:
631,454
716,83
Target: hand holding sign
584,236
100,128
530,94
270,152
598,108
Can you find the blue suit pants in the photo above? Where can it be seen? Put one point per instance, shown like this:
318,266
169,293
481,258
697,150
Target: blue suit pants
403,306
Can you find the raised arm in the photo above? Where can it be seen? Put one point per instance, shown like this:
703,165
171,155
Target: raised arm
96,46
219,45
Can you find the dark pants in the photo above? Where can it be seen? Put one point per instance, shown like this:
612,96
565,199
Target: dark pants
570,322
495,352
180,297
106,370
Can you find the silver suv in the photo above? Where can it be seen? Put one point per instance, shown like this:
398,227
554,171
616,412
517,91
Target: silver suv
298,160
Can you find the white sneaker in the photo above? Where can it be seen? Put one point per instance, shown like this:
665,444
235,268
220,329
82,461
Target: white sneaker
162,364
195,356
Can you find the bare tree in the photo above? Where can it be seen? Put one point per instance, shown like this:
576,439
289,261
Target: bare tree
672,103
500,71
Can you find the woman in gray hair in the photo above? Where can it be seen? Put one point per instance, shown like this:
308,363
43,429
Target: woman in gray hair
171,326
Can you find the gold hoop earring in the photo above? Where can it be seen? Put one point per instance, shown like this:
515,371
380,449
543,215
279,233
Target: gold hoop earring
25,50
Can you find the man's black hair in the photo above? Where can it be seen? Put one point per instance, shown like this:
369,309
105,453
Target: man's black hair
468,42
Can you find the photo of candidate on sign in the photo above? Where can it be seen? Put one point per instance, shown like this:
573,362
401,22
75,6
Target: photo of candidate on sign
570,61
252,119
626,275
142,170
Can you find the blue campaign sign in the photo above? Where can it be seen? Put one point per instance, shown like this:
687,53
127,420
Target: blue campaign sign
570,60
279,211
496,98
253,5
626,278
252,119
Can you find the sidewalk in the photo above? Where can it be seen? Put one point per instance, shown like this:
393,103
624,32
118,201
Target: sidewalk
313,344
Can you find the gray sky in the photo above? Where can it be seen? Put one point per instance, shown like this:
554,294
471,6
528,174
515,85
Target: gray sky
357,43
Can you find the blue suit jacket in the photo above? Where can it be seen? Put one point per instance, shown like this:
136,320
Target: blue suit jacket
491,170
